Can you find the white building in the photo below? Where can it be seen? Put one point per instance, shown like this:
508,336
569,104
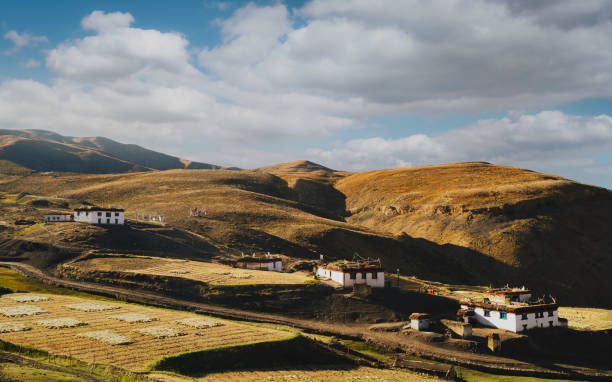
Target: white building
516,313
100,215
348,274
419,321
274,264
53,218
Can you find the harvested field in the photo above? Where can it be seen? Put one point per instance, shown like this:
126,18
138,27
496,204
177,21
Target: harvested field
29,298
91,307
160,332
199,323
8,327
144,348
210,273
60,323
108,337
133,317
331,374
587,318
21,310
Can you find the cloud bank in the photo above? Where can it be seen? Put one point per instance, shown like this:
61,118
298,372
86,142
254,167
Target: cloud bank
283,75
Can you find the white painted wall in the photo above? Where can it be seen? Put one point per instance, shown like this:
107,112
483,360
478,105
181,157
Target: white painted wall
419,324
344,278
515,322
100,217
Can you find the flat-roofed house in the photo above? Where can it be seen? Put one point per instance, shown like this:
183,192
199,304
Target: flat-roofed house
97,215
512,310
348,274
264,263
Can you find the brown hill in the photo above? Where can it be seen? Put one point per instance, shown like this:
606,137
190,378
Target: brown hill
548,232
41,150
470,223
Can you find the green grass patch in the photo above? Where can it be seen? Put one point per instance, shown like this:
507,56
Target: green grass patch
290,352
17,282
473,375
14,372
315,282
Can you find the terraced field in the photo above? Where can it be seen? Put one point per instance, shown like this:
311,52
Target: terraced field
140,348
210,273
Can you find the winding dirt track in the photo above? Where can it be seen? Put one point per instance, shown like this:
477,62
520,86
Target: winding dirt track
388,340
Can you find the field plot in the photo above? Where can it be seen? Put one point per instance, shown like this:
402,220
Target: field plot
587,318
88,342
211,273
331,374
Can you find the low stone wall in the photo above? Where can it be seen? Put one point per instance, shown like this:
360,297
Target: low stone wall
460,328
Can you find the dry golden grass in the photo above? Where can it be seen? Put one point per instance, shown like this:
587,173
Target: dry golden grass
331,374
210,273
587,318
144,349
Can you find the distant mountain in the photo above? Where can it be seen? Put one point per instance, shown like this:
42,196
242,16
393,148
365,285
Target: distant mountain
41,150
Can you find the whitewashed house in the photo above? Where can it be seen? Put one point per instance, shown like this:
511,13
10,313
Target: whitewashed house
265,263
58,217
513,310
98,215
348,274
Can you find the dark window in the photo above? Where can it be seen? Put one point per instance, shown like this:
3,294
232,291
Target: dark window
116,221
99,213
353,276
374,275
363,275
107,221
487,313
503,315
524,316
108,214
524,326
86,213
116,213
550,314
99,221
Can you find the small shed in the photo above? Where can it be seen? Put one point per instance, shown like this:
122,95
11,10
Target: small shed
465,315
419,321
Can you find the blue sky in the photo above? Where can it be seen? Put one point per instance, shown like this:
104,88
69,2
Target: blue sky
354,85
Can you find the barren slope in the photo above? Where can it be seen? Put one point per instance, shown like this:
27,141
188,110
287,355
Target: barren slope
551,233
41,150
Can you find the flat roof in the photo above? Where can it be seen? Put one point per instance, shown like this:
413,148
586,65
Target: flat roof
353,270
513,308
259,259
95,209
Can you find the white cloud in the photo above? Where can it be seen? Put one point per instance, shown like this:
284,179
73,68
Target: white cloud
22,40
31,63
547,141
100,21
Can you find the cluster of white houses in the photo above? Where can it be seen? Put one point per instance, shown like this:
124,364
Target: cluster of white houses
93,215
512,309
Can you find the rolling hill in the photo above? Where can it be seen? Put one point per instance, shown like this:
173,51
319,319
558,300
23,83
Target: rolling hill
40,150
473,223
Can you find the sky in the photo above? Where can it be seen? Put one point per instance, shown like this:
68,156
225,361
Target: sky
352,84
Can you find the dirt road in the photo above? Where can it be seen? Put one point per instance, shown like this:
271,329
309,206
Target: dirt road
389,340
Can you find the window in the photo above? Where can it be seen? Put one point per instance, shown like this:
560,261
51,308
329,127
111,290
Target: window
374,275
550,314
116,221
353,276
99,220
86,213
116,213
524,326
503,315
363,275
487,313
524,316
108,214
99,213
107,221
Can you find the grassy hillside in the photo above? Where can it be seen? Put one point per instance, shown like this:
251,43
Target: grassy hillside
471,223
550,233
54,152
